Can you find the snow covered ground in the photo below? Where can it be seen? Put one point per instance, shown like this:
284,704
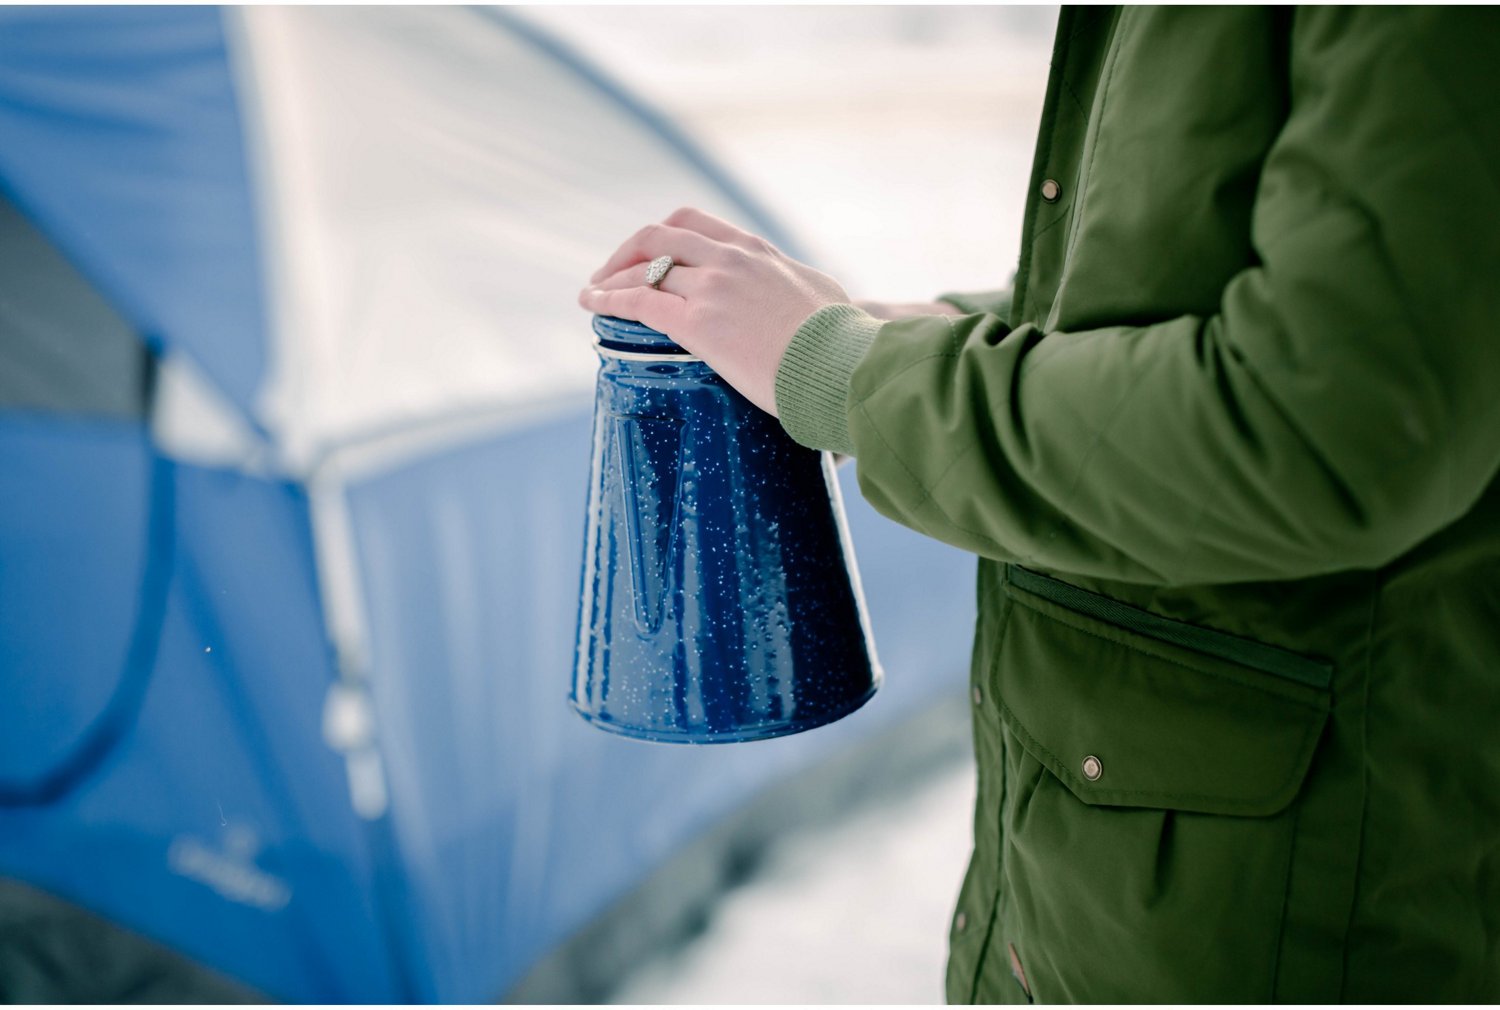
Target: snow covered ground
896,144
853,913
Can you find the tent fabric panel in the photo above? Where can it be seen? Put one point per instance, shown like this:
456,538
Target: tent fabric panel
220,825
76,587
120,138
440,186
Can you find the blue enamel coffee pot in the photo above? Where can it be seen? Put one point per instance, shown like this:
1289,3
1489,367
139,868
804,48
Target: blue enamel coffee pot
720,598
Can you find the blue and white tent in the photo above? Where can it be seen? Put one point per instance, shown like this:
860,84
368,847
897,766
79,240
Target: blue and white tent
294,424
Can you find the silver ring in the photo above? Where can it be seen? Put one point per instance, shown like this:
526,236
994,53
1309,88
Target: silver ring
656,271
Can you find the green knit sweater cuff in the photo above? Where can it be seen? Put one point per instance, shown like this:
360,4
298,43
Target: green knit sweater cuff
812,384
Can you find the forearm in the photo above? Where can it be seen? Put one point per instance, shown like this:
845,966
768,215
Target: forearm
1336,408
1160,454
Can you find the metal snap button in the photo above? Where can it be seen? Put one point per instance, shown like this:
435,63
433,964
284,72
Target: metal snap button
1092,768
978,695
1051,190
960,921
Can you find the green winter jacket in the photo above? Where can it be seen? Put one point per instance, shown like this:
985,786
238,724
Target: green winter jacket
1228,458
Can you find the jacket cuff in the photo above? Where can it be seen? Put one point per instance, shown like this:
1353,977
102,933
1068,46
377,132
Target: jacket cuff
812,382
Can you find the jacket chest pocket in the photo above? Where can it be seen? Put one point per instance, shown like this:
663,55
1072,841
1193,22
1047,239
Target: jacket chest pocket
1148,815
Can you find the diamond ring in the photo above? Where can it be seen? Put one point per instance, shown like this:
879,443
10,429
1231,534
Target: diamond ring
656,271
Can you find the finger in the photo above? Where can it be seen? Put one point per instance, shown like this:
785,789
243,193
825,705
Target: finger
659,240
693,219
680,280
704,223
657,309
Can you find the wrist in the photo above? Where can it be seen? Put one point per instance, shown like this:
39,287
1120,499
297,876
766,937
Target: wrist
812,381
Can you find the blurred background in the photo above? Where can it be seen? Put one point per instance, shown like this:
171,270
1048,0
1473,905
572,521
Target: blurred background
294,403
894,141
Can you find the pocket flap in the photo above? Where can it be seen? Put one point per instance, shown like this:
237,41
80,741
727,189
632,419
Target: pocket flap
1113,703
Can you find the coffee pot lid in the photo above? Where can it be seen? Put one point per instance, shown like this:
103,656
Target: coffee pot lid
625,335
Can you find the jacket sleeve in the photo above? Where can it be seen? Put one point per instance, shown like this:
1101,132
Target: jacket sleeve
1342,405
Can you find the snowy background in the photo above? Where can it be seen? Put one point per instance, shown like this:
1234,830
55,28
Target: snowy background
894,143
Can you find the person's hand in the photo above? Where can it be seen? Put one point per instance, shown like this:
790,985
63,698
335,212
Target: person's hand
731,298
